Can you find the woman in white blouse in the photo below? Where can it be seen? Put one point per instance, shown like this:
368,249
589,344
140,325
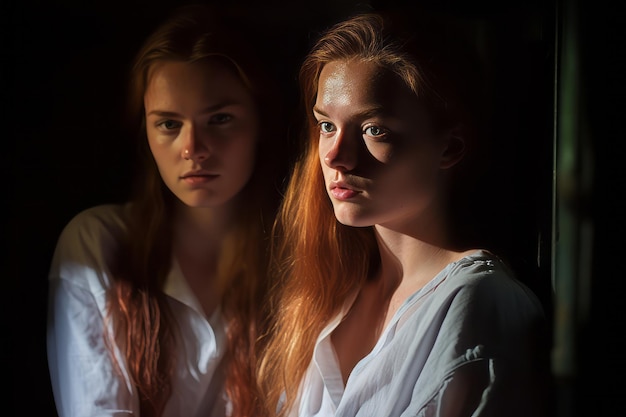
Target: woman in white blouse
155,304
382,309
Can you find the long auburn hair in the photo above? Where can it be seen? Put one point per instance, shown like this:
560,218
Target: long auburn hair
138,309
318,262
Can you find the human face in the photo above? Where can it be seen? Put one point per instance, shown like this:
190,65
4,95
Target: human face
202,127
380,158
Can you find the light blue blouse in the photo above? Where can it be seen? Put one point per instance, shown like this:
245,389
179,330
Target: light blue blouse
473,315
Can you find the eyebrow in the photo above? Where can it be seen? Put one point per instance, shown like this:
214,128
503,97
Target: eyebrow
370,112
162,113
318,111
209,109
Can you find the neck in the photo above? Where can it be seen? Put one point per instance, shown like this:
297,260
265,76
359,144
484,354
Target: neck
414,252
200,230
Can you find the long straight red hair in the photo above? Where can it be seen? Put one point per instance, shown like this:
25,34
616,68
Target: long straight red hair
318,262
138,309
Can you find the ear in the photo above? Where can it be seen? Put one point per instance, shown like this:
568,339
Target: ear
454,149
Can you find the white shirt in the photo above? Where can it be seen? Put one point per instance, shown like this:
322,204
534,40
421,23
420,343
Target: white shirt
472,312
84,379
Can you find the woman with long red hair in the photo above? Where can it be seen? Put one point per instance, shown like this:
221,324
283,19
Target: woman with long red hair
156,304
382,307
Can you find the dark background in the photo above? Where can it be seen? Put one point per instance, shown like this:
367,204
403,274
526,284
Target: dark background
64,68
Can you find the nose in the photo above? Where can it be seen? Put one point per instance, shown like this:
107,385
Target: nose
340,151
195,146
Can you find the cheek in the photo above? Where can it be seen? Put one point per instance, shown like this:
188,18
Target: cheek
248,161
411,176
423,173
166,159
382,153
323,146
242,155
161,152
327,172
156,150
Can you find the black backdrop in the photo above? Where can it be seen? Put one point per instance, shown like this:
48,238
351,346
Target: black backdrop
63,75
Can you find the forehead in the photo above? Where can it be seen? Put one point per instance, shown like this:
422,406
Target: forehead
353,82
208,79
201,69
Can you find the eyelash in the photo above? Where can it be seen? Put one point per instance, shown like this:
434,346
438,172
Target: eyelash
163,124
382,132
322,124
219,118
216,119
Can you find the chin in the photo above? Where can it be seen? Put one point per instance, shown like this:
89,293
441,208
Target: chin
349,219
201,201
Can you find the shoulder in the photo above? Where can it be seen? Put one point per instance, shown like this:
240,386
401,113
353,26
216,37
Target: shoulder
94,222
498,313
96,217
480,302
483,289
484,274
89,241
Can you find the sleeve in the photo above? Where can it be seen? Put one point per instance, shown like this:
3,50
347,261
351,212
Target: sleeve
505,368
86,379
479,389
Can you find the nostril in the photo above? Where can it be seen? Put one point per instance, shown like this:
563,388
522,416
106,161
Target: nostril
339,158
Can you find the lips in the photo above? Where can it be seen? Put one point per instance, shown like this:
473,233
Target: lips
343,191
198,173
198,177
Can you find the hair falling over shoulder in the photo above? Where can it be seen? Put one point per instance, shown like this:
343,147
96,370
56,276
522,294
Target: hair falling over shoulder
318,263
138,309
315,270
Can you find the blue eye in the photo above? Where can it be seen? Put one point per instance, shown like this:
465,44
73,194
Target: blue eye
326,127
375,131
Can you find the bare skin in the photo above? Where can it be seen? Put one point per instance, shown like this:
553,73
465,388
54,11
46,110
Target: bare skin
202,125
384,166
197,244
